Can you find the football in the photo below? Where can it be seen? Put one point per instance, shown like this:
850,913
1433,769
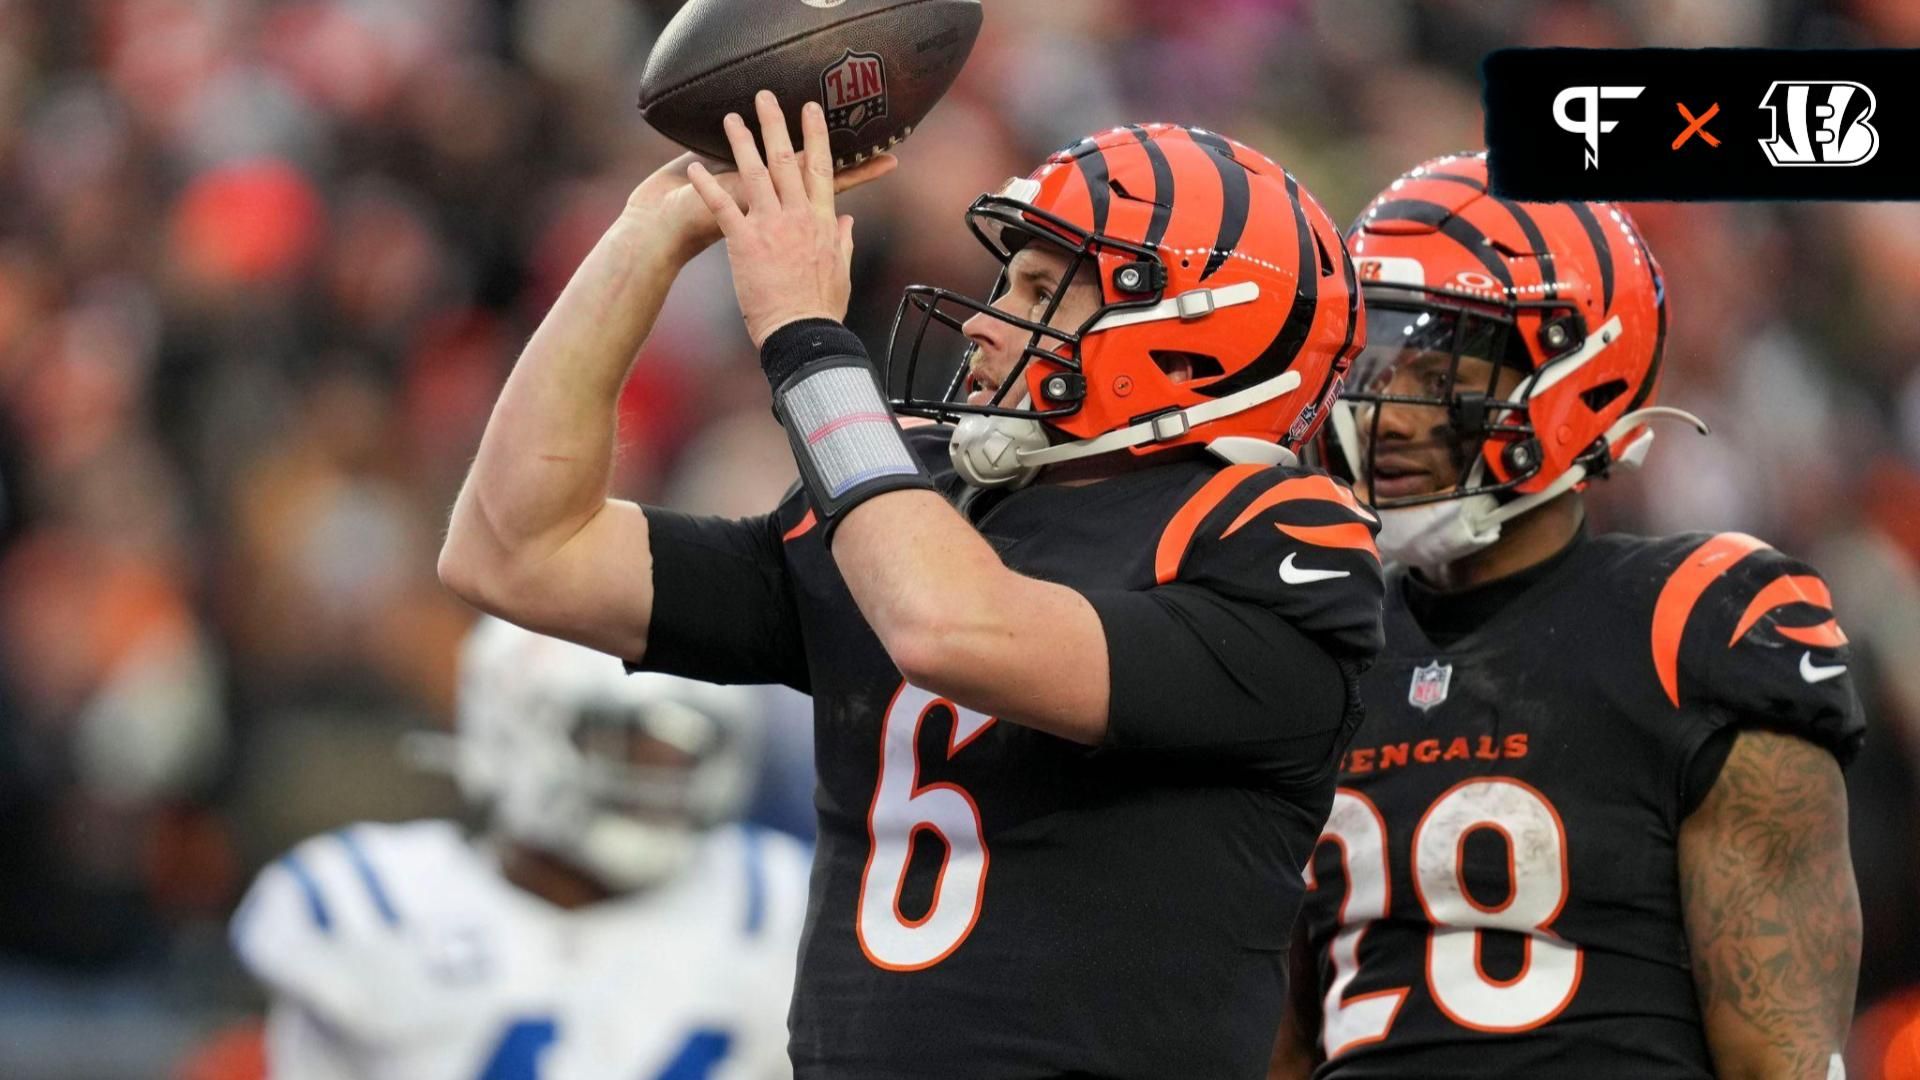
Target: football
878,67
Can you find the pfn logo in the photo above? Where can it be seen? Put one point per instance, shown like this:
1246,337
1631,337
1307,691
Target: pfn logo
1589,125
1825,124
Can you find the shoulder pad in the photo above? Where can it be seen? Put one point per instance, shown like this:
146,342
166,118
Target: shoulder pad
1742,628
1293,540
329,924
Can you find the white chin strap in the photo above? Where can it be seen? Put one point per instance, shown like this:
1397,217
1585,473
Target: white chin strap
1436,534
994,451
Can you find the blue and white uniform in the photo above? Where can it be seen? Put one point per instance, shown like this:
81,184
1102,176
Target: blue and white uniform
400,952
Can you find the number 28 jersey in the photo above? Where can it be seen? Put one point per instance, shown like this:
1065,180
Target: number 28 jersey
1497,890
991,901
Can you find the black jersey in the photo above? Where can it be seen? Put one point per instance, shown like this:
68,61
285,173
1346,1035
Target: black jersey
992,901
1497,891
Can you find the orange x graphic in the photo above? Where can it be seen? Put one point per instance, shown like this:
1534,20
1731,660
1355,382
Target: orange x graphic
1697,125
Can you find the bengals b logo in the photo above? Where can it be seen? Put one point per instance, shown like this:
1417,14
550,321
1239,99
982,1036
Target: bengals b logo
1820,123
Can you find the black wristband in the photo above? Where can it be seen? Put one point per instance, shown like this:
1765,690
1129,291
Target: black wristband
798,344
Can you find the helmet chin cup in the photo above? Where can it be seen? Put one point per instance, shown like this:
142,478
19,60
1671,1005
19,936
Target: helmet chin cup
1437,534
987,450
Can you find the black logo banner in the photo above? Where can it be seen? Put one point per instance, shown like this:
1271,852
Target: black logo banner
1684,124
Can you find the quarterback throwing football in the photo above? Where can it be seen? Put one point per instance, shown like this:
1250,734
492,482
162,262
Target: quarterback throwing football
1082,662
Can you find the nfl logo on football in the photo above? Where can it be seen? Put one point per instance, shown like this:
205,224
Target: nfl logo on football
1429,685
854,90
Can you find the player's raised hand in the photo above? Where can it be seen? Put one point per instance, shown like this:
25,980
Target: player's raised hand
667,200
791,252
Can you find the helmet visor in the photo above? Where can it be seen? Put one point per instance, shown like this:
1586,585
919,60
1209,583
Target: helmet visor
1430,374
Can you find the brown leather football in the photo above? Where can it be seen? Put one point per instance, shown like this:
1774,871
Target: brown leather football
878,66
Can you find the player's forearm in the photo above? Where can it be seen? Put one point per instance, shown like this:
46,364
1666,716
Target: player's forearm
956,621
1292,1052
1772,910
546,457
1295,1050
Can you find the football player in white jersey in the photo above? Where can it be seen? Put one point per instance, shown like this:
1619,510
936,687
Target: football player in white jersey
608,923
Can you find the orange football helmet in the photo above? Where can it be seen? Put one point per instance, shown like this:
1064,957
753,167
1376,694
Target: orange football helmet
1204,249
1567,293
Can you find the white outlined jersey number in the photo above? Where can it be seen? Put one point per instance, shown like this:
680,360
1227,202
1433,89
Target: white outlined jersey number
1456,980
902,808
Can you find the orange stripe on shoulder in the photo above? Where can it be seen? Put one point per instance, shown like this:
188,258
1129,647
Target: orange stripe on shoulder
806,525
1296,488
1826,635
1350,535
1177,537
1805,589
1702,567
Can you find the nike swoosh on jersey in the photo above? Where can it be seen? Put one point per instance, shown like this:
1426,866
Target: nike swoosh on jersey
1814,673
1294,575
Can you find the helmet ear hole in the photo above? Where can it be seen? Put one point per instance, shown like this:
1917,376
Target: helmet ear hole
1599,397
1182,367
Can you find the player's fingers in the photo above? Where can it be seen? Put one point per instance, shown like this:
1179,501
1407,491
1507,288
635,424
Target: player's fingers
746,158
782,162
716,166
718,199
866,172
846,242
819,156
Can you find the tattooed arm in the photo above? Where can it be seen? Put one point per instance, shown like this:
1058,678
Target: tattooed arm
1772,912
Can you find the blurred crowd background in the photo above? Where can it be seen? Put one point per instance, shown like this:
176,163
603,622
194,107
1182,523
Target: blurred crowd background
264,264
